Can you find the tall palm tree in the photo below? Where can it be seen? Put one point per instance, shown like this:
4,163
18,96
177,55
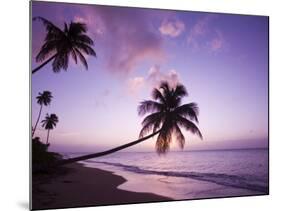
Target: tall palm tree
166,118
42,99
60,44
49,123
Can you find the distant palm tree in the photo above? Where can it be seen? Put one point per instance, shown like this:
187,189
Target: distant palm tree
42,99
60,44
168,116
49,123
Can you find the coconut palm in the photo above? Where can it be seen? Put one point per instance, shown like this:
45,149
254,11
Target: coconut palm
167,117
49,123
42,99
60,44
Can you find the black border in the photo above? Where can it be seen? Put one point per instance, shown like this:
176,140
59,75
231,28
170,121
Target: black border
149,8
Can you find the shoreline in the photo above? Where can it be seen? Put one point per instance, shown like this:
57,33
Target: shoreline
85,186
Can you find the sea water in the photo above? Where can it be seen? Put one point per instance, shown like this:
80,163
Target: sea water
190,174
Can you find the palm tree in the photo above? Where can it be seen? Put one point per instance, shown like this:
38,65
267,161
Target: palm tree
49,123
42,99
166,118
60,44
168,115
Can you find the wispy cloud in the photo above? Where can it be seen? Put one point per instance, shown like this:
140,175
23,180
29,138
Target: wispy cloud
153,79
203,35
217,42
95,27
172,28
156,76
129,38
135,85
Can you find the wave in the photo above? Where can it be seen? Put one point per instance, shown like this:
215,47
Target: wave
244,182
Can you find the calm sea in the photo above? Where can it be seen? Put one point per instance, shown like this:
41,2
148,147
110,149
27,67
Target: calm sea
192,174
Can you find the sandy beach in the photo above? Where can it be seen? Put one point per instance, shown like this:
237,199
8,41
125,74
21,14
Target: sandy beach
83,186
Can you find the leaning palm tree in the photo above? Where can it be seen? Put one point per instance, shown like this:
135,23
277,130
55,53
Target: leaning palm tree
42,99
49,123
167,117
60,44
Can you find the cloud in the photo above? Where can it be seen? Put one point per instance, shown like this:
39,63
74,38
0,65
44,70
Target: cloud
152,80
200,33
135,84
128,37
172,28
95,29
217,42
156,76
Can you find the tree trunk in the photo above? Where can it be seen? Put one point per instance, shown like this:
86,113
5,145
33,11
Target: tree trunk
37,121
43,64
99,154
48,137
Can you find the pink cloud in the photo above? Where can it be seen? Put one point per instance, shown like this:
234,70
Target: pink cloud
152,80
156,76
200,30
217,42
172,28
94,26
135,84
129,38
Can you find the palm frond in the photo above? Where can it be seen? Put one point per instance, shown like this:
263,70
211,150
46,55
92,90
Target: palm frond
157,95
76,28
82,58
149,123
84,39
189,110
86,49
189,126
47,49
60,62
74,56
179,136
50,27
180,91
149,106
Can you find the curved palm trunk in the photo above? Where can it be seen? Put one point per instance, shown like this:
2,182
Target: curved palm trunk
37,121
43,64
48,136
99,154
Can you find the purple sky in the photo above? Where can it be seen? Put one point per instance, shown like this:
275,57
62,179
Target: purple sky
221,59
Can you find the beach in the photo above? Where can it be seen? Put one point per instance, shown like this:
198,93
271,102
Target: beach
126,177
83,186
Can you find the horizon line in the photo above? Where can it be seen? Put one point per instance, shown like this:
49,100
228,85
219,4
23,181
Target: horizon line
195,150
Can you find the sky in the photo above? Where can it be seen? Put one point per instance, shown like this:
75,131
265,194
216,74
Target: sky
222,60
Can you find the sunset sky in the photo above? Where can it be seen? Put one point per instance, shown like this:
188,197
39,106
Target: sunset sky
221,59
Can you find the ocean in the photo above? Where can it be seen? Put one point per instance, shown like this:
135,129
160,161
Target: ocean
190,174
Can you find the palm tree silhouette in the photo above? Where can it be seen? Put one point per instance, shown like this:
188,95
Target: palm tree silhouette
168,116
49,123
42,99
60,44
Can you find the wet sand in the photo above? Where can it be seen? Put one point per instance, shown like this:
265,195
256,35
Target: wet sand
83,186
